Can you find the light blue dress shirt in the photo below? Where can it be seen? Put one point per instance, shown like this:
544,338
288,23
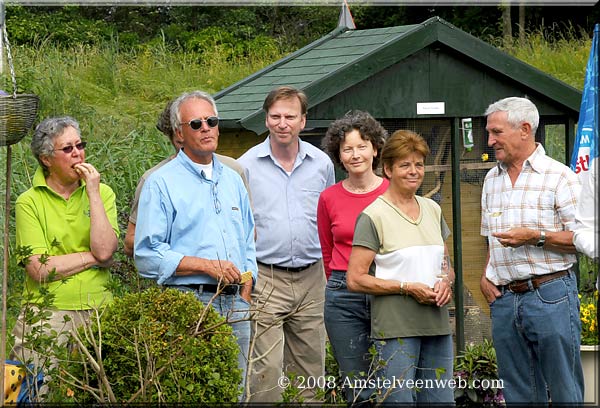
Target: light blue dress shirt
285,206
182,213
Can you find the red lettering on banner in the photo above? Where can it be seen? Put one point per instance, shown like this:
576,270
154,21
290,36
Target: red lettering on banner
583,164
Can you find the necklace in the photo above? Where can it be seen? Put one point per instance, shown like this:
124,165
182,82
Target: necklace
362,189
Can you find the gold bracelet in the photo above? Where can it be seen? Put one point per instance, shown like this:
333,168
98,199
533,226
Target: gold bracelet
82,260
403,288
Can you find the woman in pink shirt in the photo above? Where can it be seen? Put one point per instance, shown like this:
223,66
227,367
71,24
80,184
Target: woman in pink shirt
353,143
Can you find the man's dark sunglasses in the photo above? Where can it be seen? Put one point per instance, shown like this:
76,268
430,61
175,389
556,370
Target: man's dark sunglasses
196,124
69,149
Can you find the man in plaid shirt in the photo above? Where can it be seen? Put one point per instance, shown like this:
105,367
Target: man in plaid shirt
528,208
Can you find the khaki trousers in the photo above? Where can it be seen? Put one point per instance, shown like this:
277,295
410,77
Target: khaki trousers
53,322
287,329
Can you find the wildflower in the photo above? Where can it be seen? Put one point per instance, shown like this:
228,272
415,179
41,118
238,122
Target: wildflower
587,314
485,157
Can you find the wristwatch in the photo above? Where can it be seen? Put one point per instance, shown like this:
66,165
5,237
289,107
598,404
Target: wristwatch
542,239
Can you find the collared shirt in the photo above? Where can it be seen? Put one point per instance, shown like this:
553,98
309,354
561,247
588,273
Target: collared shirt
182,213
50,224
226,160
586,235
544,197
285,205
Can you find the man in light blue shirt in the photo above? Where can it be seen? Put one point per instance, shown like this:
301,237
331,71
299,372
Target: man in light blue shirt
195,230
286,176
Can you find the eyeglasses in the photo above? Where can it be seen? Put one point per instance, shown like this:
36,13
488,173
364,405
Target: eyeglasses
196,124
69,149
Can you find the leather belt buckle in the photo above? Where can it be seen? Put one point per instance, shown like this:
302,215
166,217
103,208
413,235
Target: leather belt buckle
522,286
519,286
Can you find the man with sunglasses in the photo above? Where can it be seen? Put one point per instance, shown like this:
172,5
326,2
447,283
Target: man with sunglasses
195,230
164,125
286,176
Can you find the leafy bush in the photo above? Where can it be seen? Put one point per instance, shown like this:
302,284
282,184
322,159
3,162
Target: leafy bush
589,320
60,25
478,366
155,346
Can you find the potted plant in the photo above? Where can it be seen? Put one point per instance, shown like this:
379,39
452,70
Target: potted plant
476,377
589,345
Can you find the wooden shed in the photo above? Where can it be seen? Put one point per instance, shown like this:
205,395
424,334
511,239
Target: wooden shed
431,78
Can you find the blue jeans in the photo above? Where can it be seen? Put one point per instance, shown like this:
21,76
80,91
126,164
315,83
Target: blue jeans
236,310
537,336
348,325
418,359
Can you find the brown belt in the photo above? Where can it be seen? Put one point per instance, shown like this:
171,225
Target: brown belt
522,286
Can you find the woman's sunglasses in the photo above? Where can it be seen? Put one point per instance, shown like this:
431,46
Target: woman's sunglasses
69,149
196,124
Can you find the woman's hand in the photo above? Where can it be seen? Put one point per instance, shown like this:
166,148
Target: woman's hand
443,290
90,175
103,240
421,292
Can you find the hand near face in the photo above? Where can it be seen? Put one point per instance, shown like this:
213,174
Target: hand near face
89,174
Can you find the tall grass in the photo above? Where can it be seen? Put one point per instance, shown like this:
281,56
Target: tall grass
563,57
117,95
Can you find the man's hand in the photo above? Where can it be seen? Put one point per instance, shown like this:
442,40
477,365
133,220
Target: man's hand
516,237
246,291
224,271
489,290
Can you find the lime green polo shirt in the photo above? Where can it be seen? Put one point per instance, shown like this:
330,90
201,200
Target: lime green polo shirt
49,224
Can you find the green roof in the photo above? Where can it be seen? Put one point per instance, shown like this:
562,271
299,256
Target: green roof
345,58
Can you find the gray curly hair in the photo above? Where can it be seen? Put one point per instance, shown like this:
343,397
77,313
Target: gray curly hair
42,142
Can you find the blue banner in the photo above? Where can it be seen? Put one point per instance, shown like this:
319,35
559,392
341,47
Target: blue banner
586,139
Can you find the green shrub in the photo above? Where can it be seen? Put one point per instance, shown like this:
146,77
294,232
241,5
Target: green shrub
156,346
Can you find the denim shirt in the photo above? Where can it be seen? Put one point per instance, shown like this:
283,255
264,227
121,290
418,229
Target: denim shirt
182,213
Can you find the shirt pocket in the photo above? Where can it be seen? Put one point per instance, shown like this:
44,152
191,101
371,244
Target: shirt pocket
310,199
538,210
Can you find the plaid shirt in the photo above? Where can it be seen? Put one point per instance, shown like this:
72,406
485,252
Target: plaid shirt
544,197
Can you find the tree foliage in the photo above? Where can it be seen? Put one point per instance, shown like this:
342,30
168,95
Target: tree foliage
290,27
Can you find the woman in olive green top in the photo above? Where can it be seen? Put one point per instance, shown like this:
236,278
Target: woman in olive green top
402,234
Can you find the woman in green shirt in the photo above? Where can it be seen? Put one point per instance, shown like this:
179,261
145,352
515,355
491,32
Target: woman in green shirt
402,234
66,237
